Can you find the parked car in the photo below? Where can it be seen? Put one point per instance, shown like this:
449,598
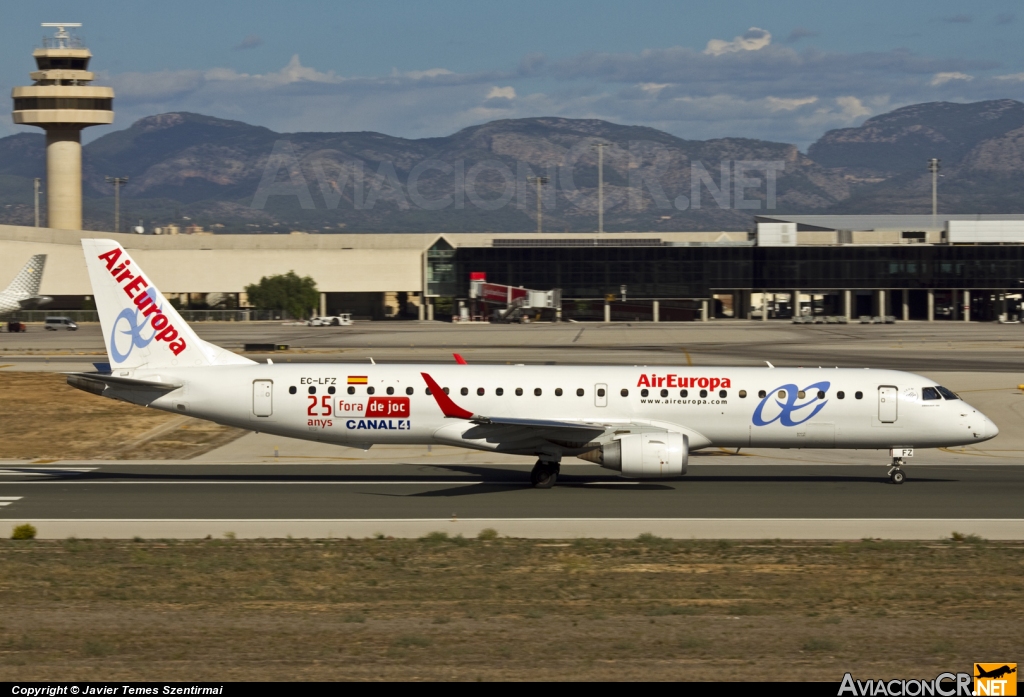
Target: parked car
14,326
342,320
54,323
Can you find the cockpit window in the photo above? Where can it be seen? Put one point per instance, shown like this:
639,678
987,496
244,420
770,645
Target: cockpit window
948,394
930,393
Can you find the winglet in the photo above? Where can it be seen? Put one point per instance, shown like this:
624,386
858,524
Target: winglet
449,408
459,359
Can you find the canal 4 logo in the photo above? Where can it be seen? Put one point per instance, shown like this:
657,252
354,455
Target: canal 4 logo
382,414
789,405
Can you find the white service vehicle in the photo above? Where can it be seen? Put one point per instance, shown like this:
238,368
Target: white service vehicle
23,291
342,320
639,421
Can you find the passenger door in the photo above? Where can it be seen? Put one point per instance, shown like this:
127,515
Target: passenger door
263,397
887,404
600,395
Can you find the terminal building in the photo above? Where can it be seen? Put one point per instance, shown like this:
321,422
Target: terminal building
961,268
907,267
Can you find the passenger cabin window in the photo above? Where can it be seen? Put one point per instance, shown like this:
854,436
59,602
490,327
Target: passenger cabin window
801,394
841,395
391,390
782,394
558,391
600,392
480,391
519,392
703,394
930,393
445,389
684,393
821,394
408,390
292,390
624,393
723,394
370,390
761,394
499,391
331,390
579,392
948,394
352,390
643,393
537,391
312,390
858,395
664,393
464,391
743,394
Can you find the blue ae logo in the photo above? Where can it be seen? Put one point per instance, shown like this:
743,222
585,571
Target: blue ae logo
787,404
128,325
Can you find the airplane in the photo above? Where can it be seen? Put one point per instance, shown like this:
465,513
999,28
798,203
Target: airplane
641,422
23,292
995,673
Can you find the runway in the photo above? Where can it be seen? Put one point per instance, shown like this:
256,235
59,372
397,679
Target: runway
712,500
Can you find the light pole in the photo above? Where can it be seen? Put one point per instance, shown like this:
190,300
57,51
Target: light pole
934,167
539,181
117,182
35,186
600,185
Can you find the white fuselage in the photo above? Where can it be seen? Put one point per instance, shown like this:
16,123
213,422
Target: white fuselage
726,407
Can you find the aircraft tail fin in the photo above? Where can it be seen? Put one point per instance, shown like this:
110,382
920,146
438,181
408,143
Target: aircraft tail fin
26,284
141,328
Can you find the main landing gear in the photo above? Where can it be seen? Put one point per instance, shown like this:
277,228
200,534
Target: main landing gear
896,473
544,474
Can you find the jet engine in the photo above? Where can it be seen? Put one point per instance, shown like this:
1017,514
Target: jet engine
644,455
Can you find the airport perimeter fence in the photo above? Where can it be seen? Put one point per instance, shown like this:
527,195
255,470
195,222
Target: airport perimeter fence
187,315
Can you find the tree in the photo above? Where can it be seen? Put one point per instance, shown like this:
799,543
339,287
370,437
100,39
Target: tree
289,292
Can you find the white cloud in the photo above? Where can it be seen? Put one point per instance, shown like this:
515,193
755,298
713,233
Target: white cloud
753,40
777,104
502,93
943,78
852,107
653,88
1015,77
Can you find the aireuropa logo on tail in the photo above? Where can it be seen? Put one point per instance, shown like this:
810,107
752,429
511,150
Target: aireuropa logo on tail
146,312
782,405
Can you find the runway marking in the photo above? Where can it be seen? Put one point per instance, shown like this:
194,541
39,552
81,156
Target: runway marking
8,500
50,472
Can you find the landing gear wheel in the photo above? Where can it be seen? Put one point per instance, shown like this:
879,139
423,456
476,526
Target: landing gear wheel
897,476
544,475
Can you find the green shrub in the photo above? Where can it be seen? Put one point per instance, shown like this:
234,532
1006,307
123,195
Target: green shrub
487,534
24,532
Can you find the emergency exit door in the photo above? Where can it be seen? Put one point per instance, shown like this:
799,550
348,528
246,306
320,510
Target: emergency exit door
887,404
263,397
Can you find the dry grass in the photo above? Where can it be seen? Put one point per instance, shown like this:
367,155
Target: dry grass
43,417
504,609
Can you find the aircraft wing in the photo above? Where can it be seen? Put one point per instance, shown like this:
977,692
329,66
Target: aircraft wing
502,428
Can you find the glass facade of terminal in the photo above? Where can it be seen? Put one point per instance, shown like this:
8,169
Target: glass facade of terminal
698,272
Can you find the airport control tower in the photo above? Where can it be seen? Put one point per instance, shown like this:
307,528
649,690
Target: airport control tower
61,102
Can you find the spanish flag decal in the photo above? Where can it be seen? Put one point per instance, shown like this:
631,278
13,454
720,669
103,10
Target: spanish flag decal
357,379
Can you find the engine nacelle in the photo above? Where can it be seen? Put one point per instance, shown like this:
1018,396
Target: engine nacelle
644,455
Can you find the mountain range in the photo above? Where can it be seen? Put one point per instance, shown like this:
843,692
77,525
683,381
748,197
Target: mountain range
230,176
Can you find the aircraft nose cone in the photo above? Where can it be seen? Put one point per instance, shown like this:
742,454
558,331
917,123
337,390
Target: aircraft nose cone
991,430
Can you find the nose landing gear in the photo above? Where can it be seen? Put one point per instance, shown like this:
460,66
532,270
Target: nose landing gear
896,473
544,474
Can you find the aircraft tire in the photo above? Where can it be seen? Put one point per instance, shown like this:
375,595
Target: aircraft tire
898,476
543,475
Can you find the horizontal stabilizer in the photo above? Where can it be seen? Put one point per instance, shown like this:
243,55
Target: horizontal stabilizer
96,383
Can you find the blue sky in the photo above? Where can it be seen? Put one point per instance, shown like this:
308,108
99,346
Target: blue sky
779,71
